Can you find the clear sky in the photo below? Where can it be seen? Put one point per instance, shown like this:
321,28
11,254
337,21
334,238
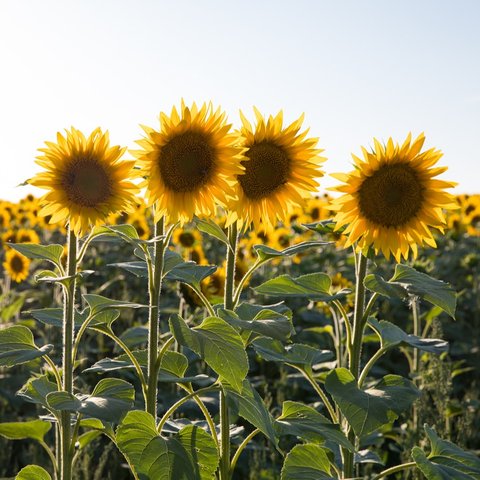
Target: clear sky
357,68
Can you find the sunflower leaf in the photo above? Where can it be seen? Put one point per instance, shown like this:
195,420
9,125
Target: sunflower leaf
17,346
265,252
391,336
190,273
218,344
35,429
367,410
307,462
211,228
33,472
51,253
314,286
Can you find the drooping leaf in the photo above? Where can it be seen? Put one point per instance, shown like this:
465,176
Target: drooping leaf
307,462
408,281
367,410
305,422
250,310
54,316
37,389
266,323
51,253
446,460
313,286
391,336
324,226
33,472
211,228
296,354
190,273
135,336
218,344
129,234
250,406
110,400
36,429
265,252
97,303
17,346
138,268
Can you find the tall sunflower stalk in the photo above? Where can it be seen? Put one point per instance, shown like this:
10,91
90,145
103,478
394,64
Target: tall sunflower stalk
86,182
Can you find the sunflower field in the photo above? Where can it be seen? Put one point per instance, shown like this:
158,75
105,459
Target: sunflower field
200,311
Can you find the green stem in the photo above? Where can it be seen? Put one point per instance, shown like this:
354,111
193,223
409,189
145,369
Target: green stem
397,468
417,328
369,306
354,364
204,300
154,287
132,358
55,371
348,327
369,365
224,468
206,414
240,449
320,393
51,456
180,402
68,313
258,263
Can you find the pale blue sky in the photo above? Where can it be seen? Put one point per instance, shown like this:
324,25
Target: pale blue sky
357,68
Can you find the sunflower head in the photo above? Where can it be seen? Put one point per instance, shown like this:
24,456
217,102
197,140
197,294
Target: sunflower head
85,179
27,235
16,265
392,198
190,163
187,238
281,168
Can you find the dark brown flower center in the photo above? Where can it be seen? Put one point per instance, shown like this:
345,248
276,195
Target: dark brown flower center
16,264
86,182
186,239
392,196
187,161
267,169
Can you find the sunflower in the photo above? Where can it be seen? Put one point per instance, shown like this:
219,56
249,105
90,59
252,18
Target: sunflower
280,170
392,198
85,178
4,218
16,265
187,237
190,163
27,235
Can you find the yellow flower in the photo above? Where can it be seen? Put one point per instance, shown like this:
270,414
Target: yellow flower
392,198
4,218
16,265
213,287
25,235
190,163
86,180
197,255
10,236
280,170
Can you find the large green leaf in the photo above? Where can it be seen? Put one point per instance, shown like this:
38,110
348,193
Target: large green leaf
296,354
408,281
51,253
129,234
307,462
37,389
36,429
17,346
367,410
190,273
314,286
110,400
265,252
54,316
305,422
138,268
267,323
446,460
211,228
33,472
250,406
190,455
218,344
97,304
391,336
